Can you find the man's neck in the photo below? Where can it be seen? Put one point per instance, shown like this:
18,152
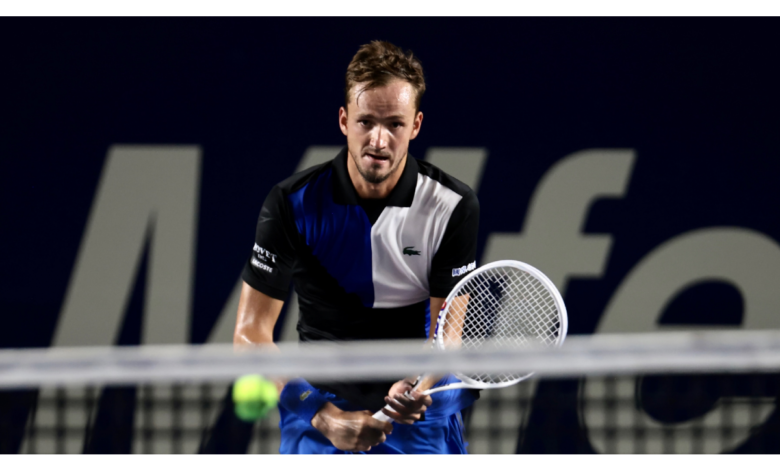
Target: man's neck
368,190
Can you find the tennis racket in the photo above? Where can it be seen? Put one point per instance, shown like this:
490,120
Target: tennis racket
504,303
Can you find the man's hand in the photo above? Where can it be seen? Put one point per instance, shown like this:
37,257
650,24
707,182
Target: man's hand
350,430
406,409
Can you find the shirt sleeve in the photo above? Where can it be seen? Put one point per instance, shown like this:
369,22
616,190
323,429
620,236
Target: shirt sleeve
458,250
269,267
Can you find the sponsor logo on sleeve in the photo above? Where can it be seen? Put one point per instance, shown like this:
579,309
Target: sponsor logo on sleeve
464,269
260,265
264,254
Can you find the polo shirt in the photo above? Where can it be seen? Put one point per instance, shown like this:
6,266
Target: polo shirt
364,268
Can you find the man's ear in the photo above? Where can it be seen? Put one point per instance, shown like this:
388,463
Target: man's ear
417,125
343,120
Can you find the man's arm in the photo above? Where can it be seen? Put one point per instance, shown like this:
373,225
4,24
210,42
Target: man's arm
352,431
255,321
436,304
257,315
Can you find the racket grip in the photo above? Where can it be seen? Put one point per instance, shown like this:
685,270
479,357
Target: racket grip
383,417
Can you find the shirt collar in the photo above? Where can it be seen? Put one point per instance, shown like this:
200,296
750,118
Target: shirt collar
401,196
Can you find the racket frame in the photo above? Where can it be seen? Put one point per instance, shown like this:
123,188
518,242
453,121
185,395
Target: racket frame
438,342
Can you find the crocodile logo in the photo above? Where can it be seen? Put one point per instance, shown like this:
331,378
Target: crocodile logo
409,251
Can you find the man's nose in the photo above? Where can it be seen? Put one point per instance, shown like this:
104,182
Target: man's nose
379,137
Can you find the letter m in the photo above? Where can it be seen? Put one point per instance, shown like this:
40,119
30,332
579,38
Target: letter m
146,194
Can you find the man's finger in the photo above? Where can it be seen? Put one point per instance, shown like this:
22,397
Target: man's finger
387,428
382,426
402,419
421,397
405,401
413,404
371,439
396,404
402,408
406,410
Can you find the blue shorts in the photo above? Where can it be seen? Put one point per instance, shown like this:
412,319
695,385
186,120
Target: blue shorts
436,436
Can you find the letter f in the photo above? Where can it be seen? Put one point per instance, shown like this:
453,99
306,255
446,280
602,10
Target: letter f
552,238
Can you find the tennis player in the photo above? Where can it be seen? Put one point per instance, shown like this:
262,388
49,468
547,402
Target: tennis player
373,241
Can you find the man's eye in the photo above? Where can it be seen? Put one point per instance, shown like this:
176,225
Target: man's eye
396,125
363,122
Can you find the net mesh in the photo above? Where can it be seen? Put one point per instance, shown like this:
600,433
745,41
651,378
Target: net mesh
507,306
624,414
619,394
178,418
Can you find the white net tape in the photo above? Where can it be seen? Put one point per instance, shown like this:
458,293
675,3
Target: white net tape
700,352
506,306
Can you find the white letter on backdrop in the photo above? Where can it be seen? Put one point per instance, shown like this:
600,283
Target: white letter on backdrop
748,260
552,238
144,193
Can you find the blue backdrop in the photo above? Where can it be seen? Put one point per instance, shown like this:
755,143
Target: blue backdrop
696,101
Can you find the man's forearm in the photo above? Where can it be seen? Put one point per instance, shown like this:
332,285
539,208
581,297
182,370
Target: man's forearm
255,320
244,339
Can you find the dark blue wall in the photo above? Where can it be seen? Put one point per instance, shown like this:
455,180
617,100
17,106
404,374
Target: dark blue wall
697,99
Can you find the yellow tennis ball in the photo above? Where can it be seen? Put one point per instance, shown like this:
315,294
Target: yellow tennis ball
253,396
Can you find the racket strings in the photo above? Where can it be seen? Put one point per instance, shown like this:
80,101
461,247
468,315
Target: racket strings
506,306
539,311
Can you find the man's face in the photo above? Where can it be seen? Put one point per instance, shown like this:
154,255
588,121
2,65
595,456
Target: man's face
379,123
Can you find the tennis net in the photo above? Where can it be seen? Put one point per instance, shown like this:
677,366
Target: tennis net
706,392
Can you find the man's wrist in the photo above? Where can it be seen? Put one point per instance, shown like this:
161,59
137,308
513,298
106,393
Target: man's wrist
322,417
301,398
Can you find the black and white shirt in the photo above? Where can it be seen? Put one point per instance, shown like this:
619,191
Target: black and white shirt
364,269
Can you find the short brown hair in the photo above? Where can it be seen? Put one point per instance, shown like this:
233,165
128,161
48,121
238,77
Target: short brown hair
380,62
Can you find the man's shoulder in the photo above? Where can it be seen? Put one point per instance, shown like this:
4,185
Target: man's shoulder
303,177
443,178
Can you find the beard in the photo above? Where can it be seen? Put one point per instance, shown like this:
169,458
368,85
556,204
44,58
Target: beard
374,175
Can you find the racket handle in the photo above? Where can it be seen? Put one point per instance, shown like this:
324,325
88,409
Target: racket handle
383,417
